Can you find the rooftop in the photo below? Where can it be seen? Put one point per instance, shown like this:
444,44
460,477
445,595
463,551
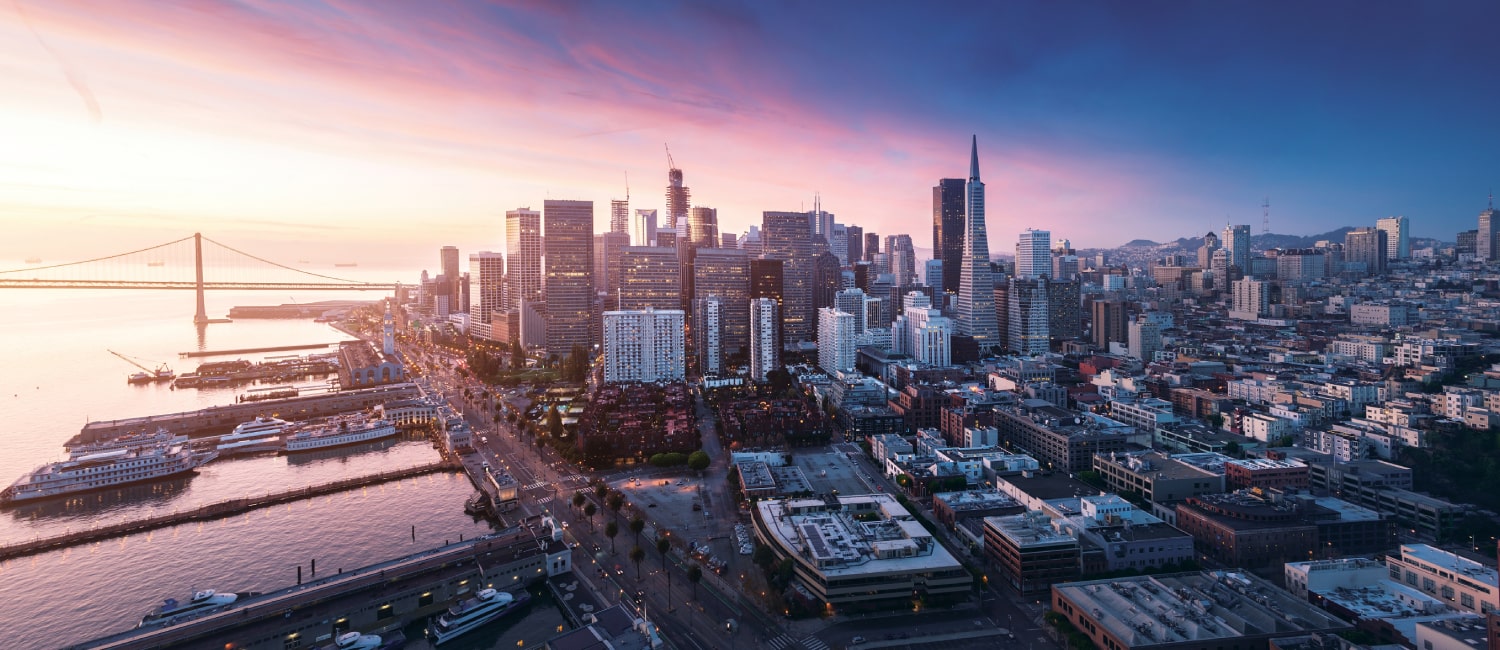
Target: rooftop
1436,557
1030,529
831,535
1257,464
976,500
1194,607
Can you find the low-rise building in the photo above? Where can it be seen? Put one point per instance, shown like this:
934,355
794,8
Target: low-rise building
1156,476
1265,473
951,508
1460,582
1029,552
1209,609
860,551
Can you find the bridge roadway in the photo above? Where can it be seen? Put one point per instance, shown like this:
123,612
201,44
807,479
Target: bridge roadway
192,285
311,607
215,510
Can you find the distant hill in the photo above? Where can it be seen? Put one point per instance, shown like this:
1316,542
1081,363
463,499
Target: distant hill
1138,243
1257,242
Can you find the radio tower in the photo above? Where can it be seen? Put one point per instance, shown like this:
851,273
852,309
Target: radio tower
1265,216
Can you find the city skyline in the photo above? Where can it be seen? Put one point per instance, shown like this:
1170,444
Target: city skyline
381,127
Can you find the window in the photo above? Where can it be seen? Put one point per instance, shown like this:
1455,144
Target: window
1466,600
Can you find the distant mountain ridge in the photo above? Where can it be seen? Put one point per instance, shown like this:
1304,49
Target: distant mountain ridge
1267,241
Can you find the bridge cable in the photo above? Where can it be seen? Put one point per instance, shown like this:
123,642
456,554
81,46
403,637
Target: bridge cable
101,259
283,266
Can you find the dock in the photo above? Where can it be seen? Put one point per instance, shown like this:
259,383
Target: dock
216,510
274,348
217,420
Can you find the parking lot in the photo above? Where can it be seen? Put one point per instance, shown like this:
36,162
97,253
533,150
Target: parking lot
668,501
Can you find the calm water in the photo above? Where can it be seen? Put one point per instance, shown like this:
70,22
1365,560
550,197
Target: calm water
58,374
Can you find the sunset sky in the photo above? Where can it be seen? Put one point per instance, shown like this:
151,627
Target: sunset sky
382,130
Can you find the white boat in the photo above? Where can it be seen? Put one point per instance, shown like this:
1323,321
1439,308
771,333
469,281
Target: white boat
134,440
105,469
203,602
356,641
338,431
260,427
465,615
250,446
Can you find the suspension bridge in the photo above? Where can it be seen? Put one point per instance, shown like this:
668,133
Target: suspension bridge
180,265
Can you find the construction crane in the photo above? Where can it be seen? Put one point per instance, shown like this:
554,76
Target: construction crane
147,375
670,164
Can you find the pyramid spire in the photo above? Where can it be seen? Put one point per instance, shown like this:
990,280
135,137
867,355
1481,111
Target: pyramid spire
974,159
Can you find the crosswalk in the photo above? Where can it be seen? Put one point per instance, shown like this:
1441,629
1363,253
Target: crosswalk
543,500
782,642
533,486
814,643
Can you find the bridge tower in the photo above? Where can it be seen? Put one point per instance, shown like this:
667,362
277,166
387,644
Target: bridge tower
200,318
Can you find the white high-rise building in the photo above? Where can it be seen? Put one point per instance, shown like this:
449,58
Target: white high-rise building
1029,316
838,244
836,339
645,345
923,333
1034,254
932,274
765,343
1145,338
643,228
708,334
1397,241
1252,299
523,248
486,285
976,288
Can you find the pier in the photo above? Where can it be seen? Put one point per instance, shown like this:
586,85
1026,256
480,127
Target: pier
218,420
274,348
217,510
380,599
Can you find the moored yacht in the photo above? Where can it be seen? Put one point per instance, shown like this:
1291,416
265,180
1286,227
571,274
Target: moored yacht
337,431
466,615
203,602
105,469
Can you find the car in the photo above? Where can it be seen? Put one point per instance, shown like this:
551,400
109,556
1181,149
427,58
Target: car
857,639
697,507
651,506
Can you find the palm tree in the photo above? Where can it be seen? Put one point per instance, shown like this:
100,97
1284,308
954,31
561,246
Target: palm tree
589,509
636,555
662,546
578,499
600,489
636,526
694,574
610,531
614,502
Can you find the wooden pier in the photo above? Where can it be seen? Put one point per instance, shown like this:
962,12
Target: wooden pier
217,510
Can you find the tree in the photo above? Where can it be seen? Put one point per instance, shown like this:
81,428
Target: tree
636,526
662,546
578,499
694,574
636,555
600,489
699,460
554,423
589,509
610,530
763,556
615,501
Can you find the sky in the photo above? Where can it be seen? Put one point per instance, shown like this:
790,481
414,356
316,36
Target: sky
380,130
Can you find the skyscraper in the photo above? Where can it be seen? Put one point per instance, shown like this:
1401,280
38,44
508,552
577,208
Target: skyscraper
948,231
903,256
785,236
569,288
1367,246
724,273
523,252
1030,320
765,346
607,248
1236,241
856,244
619,215
1398,242
703,227
1145,338
827,278
1064,313
922,333
1034,254
649,277
976,298
449,255
677,197
838,243
487,277
872,246
1486,247
643,228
